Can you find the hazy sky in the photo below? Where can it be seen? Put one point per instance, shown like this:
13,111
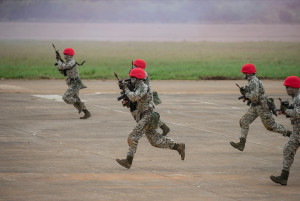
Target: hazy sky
152,11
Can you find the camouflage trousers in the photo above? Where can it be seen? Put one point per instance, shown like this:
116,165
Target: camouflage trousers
266,118
153,136
71,96
291,148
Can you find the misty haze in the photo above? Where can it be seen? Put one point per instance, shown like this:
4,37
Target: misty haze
194,20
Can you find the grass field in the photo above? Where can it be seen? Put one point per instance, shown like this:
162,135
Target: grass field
165,60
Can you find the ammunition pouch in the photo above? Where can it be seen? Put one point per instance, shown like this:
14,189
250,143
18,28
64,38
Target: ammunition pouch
153,123
156,99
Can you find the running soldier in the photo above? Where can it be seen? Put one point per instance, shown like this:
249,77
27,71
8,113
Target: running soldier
139,63
292,85
69,69
147,122
254,93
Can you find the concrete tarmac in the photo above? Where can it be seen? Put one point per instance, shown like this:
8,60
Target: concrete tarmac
48,153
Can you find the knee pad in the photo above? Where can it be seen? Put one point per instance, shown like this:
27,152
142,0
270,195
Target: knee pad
65,99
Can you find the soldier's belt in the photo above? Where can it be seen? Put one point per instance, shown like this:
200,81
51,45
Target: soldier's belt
256,104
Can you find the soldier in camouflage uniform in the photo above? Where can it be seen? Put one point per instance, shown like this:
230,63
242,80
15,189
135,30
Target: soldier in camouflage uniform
69,69
139,63
292,84
147,122
260,106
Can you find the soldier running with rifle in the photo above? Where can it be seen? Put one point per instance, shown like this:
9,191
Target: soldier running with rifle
147,120
260,106
291,111
70,71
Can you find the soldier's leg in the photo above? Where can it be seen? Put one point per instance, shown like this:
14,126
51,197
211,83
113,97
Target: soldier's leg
269,122
133,139
245,121
163,127
137,133
289,152
68,96
79,104
160,141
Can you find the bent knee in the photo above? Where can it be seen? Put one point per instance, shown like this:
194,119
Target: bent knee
244,123
269,128
131,142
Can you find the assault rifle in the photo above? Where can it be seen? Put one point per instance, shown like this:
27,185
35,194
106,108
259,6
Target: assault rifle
125,100
57,55
243,91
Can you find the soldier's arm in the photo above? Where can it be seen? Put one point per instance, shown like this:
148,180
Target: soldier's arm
295,113
253,92
136,95
65,66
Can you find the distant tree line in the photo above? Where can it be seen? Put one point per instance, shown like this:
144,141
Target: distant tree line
152,11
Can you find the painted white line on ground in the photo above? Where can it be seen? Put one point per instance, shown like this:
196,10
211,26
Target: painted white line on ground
57,98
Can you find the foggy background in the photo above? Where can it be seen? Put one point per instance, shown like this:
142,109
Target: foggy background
151,20
152,11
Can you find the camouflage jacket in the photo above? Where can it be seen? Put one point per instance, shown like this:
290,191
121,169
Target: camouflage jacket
71,69
142,95
147,80
295,113
255,90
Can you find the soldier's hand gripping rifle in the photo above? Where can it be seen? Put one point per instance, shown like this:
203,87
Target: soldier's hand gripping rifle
284,105
125,100
243,91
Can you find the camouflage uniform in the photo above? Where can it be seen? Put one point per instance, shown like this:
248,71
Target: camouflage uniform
147,81
259,107
71,96
143,115
293,144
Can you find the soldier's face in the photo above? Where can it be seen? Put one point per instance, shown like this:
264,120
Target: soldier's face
290,91
245,75
133,80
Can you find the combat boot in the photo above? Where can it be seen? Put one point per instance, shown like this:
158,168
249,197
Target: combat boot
80,107
240,145
282,179
165,129
87,114
181,149
125,162
288,133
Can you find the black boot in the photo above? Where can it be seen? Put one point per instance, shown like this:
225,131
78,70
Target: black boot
282,179
87,114
240,145
181,149
125,162
165,129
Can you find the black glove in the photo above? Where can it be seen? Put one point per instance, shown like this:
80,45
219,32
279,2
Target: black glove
242,90
122,85
284,105
57,57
